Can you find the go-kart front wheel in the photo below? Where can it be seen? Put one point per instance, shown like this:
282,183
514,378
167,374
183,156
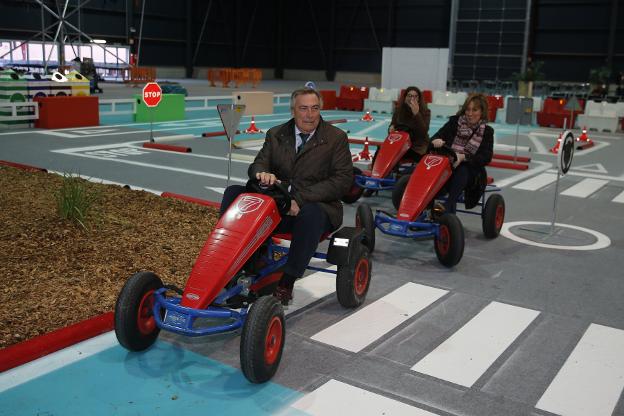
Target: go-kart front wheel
399,190
355,192
135,326
262,340
449,244
353,280
493,216
364,219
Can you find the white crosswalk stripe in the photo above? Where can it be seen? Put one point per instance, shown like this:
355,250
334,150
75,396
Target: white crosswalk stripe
619,198
537,182
470,351
585,188
591,380
373,321
337,398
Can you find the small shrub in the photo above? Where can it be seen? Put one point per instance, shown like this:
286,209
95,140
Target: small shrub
75,200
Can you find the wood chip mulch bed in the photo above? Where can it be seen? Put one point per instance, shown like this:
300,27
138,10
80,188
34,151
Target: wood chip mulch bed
54,273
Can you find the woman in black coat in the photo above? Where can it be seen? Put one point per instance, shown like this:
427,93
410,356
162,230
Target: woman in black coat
472,140
413,116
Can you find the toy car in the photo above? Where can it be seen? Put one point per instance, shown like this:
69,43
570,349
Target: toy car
414,195
235,271
413,219
388,166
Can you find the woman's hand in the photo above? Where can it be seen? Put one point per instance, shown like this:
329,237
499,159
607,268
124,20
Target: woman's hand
437,143
414,106
460,158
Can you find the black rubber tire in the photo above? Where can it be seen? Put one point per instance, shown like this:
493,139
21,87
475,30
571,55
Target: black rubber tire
493,215
364,219
262,340
449,247
353,280
355,192
399,190
135,332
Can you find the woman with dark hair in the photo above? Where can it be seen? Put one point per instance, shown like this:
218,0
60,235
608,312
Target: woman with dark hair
412,116
472,140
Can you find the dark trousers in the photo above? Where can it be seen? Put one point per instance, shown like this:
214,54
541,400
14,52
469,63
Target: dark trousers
306,229
462,176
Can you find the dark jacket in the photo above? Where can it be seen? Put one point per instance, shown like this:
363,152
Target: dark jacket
478,161
321,172
417,127
484,153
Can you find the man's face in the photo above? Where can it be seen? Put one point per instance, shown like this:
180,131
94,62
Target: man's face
307,112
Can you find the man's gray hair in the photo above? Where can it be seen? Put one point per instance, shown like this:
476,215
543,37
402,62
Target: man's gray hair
303,91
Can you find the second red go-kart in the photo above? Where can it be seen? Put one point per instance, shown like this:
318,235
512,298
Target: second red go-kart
230,284
414,196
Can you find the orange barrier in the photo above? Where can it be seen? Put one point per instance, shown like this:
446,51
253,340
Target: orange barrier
141,75
238,76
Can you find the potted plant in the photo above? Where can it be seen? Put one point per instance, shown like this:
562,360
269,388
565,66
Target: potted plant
532,73
598,78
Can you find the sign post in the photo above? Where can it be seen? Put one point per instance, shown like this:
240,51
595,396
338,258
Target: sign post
519,111
564,161
152,94
230,115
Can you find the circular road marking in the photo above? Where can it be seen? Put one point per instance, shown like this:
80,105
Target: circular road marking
602,241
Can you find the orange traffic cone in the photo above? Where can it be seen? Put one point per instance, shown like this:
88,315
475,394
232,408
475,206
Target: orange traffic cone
365,154
252,127
555,148
367,117
584,141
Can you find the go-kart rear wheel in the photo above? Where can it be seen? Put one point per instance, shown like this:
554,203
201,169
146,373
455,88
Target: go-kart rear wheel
364,219
262,340
449,244
135,326
353,280
493,215
355,192
399,190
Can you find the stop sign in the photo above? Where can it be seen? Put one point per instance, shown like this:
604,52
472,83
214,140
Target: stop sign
152,94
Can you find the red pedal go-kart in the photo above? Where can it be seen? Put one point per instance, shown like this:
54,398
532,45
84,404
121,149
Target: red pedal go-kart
414,196
389,165
231,282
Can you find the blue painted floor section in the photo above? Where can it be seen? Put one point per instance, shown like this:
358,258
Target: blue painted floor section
164,380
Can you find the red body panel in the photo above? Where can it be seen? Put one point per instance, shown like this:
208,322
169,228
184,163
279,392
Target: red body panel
428,178
390,152
248,222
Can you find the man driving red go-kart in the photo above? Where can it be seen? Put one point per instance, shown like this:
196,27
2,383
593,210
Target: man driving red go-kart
312,159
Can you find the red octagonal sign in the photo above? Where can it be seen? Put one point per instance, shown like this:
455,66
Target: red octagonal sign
152,94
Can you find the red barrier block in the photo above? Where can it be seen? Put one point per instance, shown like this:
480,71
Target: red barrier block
70,111
329,99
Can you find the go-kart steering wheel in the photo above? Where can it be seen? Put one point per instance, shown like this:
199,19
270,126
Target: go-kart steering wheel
277,191
444,150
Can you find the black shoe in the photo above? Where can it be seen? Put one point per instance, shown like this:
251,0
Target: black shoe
283,294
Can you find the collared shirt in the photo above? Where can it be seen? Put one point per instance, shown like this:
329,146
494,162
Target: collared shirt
298,140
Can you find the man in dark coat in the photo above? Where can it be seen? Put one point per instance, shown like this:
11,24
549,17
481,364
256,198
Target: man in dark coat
312,158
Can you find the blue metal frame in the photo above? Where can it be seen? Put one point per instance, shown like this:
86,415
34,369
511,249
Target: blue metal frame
375,184
420,228
180,319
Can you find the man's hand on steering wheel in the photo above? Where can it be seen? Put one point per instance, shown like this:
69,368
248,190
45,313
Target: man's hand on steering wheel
437,143
267,179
